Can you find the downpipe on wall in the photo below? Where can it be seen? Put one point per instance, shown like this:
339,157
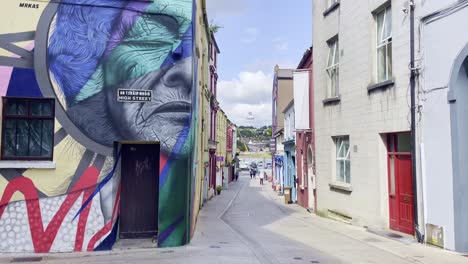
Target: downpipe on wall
413,75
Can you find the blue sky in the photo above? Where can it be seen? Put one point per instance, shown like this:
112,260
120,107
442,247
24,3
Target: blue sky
256,35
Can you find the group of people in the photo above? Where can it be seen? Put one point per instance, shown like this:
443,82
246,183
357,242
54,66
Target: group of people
254,172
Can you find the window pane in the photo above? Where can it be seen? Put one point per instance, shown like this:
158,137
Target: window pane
337,53
404,142
36,109
381,62
15,107
391,142
340,170
348,171
389,60
22,138
387,33
331,55
9,142
337,82
346,149
380,24
333,83
41,108
47,138
339,145
35,138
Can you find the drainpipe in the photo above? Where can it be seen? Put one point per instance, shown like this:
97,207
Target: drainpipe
413,125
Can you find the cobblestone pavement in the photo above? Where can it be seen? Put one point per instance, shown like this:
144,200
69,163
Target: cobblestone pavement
249,223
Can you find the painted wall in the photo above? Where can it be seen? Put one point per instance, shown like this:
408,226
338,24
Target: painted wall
441,48
79,52
221,125
304,141
202,118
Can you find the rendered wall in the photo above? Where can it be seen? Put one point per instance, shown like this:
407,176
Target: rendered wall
441,49
79,52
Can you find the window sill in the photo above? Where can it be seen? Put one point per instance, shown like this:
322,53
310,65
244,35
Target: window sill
332,100
26,164
380,86
341,186
331,8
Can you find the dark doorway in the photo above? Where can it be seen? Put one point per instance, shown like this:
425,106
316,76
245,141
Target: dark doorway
140,190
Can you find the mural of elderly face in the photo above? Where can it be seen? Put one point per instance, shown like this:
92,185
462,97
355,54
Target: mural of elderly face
144,51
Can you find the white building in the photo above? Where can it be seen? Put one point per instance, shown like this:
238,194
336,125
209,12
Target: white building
443,94
362,124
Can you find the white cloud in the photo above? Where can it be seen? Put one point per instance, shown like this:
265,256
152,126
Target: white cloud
218,8
250,35
249,92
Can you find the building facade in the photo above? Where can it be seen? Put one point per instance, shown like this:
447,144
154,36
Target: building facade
282,93
221,151
362,128
442,71
214,105
201,155
289,145
83,116
305,147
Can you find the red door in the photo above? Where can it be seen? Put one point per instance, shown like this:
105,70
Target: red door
400,183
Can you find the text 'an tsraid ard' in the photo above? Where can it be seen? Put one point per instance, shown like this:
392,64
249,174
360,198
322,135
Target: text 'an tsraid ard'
137,96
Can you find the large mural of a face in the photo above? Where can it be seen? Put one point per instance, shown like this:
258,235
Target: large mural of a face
147,48
81,52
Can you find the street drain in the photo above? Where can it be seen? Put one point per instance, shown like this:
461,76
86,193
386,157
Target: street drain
26,259
167,251
215,247
224,243
297,258
314,261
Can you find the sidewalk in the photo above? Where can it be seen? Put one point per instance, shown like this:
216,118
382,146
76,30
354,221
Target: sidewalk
213,242
322,232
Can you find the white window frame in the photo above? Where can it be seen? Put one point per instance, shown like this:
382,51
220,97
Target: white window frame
339,144
384,42
333,68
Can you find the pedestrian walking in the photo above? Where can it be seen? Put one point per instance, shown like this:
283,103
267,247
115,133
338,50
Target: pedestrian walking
261,180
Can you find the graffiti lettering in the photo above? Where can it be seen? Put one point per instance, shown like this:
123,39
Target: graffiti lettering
26,5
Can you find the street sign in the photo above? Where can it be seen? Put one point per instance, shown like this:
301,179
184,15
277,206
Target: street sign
138,96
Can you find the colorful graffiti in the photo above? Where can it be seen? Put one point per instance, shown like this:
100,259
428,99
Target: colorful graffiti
81,52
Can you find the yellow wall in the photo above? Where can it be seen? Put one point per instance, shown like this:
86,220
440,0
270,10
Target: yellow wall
201,44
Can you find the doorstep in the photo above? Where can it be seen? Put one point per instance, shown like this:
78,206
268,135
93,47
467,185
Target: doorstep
126,244
392,234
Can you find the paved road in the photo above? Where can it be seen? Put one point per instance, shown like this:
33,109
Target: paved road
250,216
249,224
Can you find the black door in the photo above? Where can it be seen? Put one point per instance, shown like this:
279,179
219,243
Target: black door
139,191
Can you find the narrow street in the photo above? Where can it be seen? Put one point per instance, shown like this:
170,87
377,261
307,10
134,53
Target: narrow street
248,223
